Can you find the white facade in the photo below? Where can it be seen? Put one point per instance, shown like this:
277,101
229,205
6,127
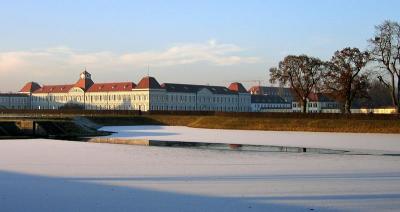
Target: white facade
270,103
206,98
317,106
14,101
147,95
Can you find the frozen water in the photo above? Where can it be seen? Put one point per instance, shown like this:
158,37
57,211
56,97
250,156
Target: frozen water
51,175
341,141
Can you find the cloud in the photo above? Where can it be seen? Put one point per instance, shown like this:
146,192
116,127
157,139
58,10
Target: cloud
64,58
211,52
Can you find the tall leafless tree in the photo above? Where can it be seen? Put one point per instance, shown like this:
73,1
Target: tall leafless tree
379,94
302,73
343,79
385,49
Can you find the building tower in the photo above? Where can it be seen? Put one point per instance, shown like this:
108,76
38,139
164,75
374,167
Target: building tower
85,81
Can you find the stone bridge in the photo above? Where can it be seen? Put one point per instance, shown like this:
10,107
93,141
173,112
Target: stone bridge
28,126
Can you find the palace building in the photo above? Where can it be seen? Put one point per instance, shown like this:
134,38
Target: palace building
14,101
270,103
148,94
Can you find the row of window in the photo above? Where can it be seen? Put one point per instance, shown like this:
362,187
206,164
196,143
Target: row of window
100,98
156,107
99,107
258,106
192,108
90,98
189,99
13,100
310,104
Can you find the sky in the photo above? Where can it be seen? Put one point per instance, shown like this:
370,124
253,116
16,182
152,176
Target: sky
199,41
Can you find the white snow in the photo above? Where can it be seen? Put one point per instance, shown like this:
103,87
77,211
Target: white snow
340,141
50,175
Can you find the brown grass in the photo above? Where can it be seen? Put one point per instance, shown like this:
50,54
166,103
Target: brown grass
261,123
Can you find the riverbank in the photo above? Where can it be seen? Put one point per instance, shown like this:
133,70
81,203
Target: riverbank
354,123
273,123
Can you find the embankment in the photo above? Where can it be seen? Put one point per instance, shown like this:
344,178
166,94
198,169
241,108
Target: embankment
361,124
356,123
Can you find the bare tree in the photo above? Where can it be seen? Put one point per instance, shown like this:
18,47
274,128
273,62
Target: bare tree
385,49
301,73
343,79
379,94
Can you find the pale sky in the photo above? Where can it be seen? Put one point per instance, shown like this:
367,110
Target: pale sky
203,42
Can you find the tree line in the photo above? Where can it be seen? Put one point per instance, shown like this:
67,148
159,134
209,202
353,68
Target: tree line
347,75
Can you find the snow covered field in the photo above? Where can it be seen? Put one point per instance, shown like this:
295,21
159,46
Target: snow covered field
340,141
51,175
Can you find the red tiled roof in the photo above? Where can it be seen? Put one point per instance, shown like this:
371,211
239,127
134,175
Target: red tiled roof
54,89
237,87
148,82
85,84
107,87
30,87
